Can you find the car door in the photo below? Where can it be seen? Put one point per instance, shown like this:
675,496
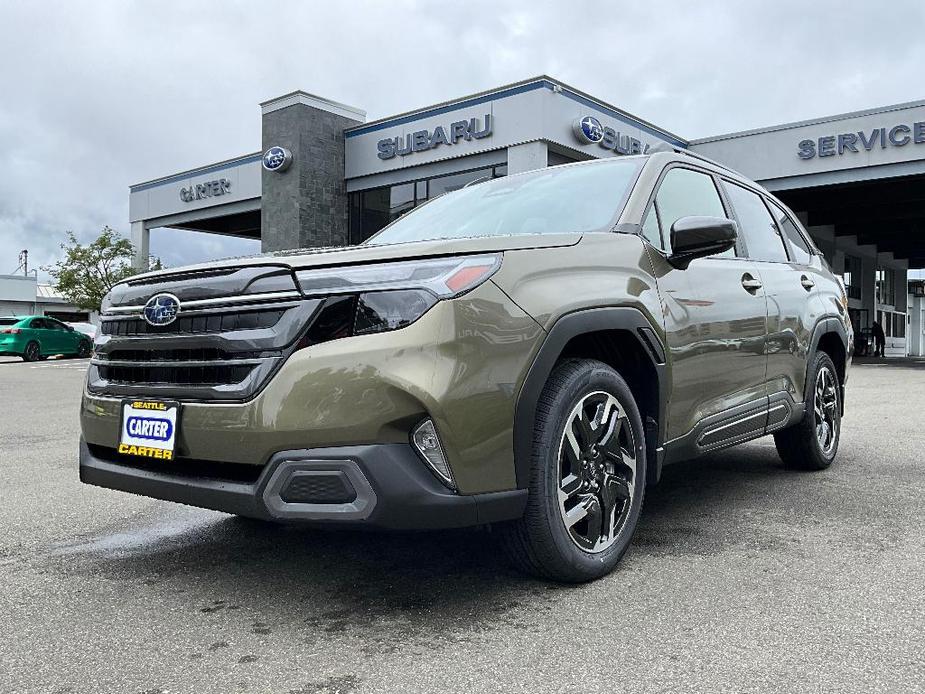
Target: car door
795,305
41,334
715,322
65,340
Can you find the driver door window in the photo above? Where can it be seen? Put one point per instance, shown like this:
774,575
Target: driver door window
684,193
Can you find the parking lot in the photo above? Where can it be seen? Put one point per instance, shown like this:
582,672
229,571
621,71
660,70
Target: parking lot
743,577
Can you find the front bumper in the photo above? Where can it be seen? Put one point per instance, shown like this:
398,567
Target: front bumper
386,486
461,364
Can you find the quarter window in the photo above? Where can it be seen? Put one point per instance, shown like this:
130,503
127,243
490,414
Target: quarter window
756,225
684,193
650,229
796,244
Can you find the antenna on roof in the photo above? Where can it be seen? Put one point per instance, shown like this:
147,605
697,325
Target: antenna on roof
23,261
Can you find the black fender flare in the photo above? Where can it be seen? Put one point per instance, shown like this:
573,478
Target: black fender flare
824,326
569,326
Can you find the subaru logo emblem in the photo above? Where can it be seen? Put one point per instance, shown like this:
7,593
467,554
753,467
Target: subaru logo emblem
277,159
161,309
588,129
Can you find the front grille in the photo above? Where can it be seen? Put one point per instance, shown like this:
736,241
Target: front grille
192,354
200,375
221,347
198,324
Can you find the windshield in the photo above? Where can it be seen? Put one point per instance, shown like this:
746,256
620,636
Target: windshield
549,201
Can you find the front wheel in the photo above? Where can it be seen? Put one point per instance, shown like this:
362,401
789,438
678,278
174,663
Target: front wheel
83,349
587,481
813,443
32,352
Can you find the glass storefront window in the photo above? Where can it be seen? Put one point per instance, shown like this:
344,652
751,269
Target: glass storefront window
371,210
447,184
852,277
886,287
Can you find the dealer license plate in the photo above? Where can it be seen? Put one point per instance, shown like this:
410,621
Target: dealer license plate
149,428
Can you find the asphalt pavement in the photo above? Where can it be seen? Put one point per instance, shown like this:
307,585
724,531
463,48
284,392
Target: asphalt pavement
743,577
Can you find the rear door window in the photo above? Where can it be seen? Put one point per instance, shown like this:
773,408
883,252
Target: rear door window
796,244
762,238
685,193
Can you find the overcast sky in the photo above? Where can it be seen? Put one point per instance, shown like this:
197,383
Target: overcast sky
97,96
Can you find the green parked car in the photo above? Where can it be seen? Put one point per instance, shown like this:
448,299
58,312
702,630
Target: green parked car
39,337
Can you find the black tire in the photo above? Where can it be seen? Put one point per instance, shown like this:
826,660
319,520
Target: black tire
813,443
541,543
32,352
83,349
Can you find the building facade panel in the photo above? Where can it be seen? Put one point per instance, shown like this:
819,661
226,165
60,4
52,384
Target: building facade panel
202,189
895,135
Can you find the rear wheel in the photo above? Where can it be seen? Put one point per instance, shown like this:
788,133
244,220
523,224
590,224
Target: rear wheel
32,352
813,443
587,476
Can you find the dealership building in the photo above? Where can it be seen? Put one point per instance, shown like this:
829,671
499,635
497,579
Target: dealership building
324,176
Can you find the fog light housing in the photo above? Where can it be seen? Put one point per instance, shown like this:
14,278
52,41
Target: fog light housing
427,443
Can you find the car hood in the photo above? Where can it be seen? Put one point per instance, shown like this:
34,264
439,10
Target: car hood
354,255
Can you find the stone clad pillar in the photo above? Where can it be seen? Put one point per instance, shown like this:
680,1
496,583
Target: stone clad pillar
305,205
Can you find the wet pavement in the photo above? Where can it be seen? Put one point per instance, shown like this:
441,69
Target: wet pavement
743,577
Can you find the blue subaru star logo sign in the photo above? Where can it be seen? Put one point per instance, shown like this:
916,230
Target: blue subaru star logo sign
161,309
277,159
588,129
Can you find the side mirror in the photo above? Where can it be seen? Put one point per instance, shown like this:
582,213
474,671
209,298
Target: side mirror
698,237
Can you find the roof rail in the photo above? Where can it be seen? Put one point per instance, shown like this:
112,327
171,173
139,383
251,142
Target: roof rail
668,147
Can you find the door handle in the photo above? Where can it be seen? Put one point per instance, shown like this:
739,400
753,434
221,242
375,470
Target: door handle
807,283
750,283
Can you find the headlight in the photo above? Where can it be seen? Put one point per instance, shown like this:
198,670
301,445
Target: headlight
380,311
444,277
388,296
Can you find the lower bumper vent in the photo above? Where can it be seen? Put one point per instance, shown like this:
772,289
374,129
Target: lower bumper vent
318,487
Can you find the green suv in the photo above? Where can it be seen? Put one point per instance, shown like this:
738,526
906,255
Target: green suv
526,353
39,337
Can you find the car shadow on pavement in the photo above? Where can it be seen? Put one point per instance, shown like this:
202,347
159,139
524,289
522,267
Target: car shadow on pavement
434,583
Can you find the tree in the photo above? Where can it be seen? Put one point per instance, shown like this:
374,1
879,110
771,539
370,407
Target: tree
87,273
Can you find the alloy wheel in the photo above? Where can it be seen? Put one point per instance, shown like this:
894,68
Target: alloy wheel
596,471
32,352
825,410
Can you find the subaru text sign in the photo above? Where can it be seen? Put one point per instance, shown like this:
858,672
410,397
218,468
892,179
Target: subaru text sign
589,130
423,140
836,145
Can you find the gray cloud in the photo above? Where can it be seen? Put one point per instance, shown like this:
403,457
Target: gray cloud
97,96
